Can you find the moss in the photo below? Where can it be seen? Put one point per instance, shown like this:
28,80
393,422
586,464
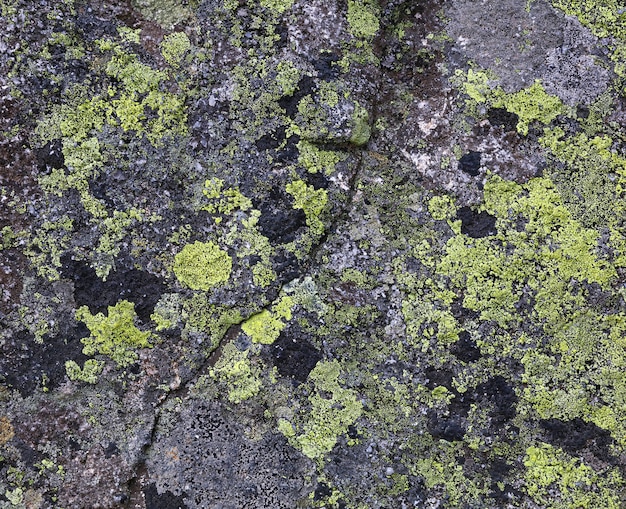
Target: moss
266,326
202,265
578,485
88,373
333,409
363,18
114,335
174,48
311,201
235,370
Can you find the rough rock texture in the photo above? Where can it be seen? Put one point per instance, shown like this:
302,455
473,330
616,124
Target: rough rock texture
338,254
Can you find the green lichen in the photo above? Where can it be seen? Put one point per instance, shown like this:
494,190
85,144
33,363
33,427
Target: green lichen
311,201
361,130
88,373
317,160
114,335
266,326
234,368
578,485
167,13
333,409
442,207
530,104
279,6
174,48
363,18
202,265
552,250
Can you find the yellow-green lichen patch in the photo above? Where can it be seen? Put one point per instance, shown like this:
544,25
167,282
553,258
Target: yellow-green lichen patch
174,48
202,265
361,130
166,13
311,201
88,373
546,255
531,104
279,6
318,160
363,18
114,335
266,326
234,368
333,409
578,485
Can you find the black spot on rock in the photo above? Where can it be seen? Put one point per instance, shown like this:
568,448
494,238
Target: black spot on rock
25,363
582,111
446,428
325,66
465,348
438,378
501,117
501,395
317,180
166,500
272,140
476,224
470,163
50,156
289,103
290,152
279,221
322,491
286,266
111,450
294,356
139,287
577,434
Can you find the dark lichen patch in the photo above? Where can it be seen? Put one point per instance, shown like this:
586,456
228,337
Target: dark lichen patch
465,349
501,117
470,163
280,222
476,224
577,435
164,500
293,354
306,86
140,287
29,366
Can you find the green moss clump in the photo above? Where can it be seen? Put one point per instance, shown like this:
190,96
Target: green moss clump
114,335
361,130
202,265
333,409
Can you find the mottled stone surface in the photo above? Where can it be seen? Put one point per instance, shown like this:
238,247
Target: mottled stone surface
336,254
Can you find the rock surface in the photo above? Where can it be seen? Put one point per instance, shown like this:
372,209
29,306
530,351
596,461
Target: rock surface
339,254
